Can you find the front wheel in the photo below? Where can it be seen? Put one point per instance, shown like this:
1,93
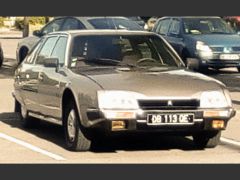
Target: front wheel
26,120
75,135
207,139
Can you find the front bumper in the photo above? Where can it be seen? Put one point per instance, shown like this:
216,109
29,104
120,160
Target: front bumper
215,61
139,124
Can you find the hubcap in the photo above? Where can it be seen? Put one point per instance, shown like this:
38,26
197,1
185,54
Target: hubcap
71,126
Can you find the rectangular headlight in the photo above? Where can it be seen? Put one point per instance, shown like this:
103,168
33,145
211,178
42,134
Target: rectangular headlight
117,100
213,99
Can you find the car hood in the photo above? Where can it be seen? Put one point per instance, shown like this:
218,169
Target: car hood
177,83
218,39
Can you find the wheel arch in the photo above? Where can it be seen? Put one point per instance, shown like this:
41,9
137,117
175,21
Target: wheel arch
68,95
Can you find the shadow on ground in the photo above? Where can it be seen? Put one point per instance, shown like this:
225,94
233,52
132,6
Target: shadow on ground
139,142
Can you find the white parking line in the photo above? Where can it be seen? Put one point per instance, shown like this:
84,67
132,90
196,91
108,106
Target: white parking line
31,147
230,141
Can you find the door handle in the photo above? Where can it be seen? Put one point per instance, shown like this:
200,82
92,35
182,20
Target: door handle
40,76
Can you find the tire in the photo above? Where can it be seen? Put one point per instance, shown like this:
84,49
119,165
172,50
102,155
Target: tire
207,139
25,119
23,53
238,69
75,135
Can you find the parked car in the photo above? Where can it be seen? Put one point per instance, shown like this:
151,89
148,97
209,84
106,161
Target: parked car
210,40
71,23
137,19
117,81
1,56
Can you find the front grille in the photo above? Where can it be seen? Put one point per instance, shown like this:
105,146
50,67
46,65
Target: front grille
169,104
236,49
217,49
233,49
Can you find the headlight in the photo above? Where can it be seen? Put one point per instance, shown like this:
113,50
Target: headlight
117,100
214,99
118,104
203,49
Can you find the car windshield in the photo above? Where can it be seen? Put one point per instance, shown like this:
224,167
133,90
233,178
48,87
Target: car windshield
114,23
206,26
122,50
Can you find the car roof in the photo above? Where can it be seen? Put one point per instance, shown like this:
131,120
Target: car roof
102,32
190,17
92,17
85,19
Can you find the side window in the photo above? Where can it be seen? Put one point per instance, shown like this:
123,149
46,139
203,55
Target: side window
158,26
175,27
55,25
163,27
60,49
46,50
71,24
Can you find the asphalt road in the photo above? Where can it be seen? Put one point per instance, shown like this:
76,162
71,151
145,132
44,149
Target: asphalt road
46,143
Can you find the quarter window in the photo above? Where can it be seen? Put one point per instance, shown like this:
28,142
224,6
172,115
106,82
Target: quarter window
60,50
46,50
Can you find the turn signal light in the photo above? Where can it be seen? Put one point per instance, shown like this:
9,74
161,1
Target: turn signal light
218,124
215,114
118,125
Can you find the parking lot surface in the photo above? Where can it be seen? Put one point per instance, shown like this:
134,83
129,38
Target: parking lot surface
46,143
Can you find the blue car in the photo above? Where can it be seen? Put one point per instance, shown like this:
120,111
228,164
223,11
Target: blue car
207,41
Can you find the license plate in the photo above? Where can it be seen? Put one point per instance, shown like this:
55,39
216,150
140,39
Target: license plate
170,119
229,56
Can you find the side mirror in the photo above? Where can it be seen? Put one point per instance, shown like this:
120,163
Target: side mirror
51,63
192,63
37,33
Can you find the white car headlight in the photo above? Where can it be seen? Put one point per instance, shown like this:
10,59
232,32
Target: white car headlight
214,99
120,100
118,104
203,49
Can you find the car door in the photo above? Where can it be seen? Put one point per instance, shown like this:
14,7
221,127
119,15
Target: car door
49,86
27,79
71,24
174,36
44,52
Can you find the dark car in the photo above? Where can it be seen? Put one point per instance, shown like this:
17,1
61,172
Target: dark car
1,56
210,40
117,82
72,23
